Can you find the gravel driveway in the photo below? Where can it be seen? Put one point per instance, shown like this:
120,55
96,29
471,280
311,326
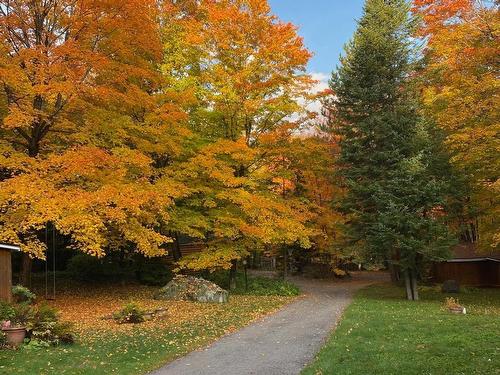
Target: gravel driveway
282,343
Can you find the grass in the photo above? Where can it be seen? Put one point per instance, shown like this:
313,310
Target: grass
381,333
104,347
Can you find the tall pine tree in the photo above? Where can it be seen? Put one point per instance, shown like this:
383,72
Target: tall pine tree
393,201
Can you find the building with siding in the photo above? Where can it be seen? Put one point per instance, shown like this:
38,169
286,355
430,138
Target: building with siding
470,267
6,270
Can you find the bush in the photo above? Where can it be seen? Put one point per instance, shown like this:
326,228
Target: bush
153,273
451,303
257,286
83,267
131,313
45,328
262,286
22,294
7,311
23,314
42,324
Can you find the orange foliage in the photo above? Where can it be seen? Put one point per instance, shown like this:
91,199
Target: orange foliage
461,94
126,121
59,58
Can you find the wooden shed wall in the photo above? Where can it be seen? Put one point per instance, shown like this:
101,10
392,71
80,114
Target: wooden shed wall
187,249
481,273
5,275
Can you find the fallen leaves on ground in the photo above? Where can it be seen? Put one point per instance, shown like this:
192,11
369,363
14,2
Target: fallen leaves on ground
86,306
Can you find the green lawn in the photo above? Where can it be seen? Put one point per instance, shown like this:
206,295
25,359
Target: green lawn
381,333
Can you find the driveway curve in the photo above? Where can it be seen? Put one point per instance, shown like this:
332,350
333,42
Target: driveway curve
282,343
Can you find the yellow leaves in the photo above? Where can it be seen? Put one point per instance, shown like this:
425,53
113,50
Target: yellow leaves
122,152
461,94
88,193
216,256
85,308
248,65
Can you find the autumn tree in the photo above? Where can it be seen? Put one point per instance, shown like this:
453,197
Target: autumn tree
392,202
246,69
302,169
81,128
460,92
246,66
236,214
60,58
104,200
126,121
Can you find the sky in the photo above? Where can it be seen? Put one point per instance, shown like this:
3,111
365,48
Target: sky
325,25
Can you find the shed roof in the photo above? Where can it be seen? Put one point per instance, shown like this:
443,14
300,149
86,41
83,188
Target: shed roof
5,246
469,253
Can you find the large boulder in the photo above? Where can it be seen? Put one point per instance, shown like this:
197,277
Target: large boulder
190,288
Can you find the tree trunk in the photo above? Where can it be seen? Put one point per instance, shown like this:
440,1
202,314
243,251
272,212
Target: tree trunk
232,275
26,261
285,264
177,254
411,285
394,270
414,285
25,271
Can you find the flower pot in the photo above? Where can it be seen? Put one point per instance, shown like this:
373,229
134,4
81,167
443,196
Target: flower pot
14,335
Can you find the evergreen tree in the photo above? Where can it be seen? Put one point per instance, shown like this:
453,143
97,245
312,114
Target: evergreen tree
393,201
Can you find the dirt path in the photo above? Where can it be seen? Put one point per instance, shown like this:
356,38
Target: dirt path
282,343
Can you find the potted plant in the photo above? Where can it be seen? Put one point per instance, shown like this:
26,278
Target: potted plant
14,334
15,328
453,306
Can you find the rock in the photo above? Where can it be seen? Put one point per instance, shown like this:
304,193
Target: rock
160,313
450,286
189,288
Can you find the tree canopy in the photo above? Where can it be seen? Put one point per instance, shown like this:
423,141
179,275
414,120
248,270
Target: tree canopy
126,123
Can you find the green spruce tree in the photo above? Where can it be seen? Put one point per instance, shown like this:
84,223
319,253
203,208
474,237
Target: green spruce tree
394,201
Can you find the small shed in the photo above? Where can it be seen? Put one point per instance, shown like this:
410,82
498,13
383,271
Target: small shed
6,271
470,267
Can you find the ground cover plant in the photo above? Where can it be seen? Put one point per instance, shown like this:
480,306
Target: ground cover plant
104,347
254,285
384,333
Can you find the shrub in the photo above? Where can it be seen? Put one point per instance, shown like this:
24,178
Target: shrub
6,311
451,303
130,313
23,314
257,286
22,294
3,339
339,272
262,286
45,328
42,323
